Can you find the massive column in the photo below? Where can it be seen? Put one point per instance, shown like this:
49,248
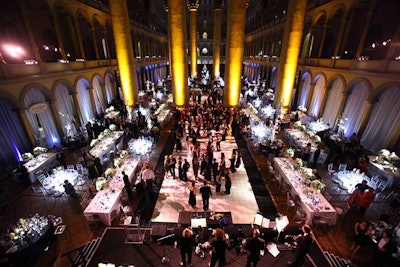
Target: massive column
218,4
290,53
234,51
124,49
28,127
177,24
193,5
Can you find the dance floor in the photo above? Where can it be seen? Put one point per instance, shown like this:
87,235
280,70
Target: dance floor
174,194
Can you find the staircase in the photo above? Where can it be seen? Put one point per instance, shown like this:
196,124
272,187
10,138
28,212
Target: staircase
85,252
336,261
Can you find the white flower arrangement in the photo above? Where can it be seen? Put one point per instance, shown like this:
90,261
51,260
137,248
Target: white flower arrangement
290,152
94,142
302,128
117,162
297,124
101,136
27,156
113,127
110,109
301,108
317,138
317,184
109,173
298,163
106,132
309,173
39,150
310,133
124,154
384,153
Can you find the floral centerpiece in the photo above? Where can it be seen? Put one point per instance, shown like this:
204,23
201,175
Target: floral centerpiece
94,142
110,109
302,128
109,173
317,184
117,162
27,156
298,163
124,154
290,151
297,124
317,138
20,234
309,173
39,150
301,108
113,127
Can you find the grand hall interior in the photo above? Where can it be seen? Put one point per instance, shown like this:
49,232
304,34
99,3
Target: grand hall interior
117,117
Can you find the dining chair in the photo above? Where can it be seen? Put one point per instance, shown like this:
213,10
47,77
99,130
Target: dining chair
342,167
70,167
330,169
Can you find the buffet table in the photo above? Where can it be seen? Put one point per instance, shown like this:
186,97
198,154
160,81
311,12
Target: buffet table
299,139
107,200
313,203
40,162
104,147
382,169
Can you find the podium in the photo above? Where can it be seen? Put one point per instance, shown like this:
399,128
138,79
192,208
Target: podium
134,234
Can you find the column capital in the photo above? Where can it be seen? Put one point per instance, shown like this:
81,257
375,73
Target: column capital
193,5
218,4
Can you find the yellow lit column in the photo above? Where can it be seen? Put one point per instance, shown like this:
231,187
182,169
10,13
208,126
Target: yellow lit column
124,49
217,38
234,51
193,5
177,23
290,53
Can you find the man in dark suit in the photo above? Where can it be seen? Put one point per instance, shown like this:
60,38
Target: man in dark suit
254,245
303,246
205,194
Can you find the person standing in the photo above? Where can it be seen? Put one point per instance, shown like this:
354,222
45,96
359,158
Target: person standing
253,246
148,176
128,186
185,169
69,189
195,166
238,159
186,243
228,183
317,152
303,246
205,191
218,244
192,194
365,200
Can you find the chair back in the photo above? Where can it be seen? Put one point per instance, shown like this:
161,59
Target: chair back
342,167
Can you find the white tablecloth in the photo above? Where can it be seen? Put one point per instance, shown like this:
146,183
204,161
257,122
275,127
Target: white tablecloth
54,182
40,162
312,202
107,200
103,148
389,172
300,139
351,178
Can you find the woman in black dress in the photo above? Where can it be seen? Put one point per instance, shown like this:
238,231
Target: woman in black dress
228,183
192,194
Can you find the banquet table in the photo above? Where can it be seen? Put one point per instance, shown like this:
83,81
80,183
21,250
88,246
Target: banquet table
349,179
391,173
317,126
40,162
313,203
164,116
300,139
106,201
103,148
54,182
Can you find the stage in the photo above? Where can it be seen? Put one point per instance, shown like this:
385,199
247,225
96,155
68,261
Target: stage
112,249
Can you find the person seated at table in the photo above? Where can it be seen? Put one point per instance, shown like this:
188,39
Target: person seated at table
69,189
306,152
384,248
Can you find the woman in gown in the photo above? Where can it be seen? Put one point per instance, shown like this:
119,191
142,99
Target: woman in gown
192,194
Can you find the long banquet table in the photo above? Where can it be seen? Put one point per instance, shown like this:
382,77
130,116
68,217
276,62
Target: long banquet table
40,162
312,202
300,139
391,173
104,147
107,200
